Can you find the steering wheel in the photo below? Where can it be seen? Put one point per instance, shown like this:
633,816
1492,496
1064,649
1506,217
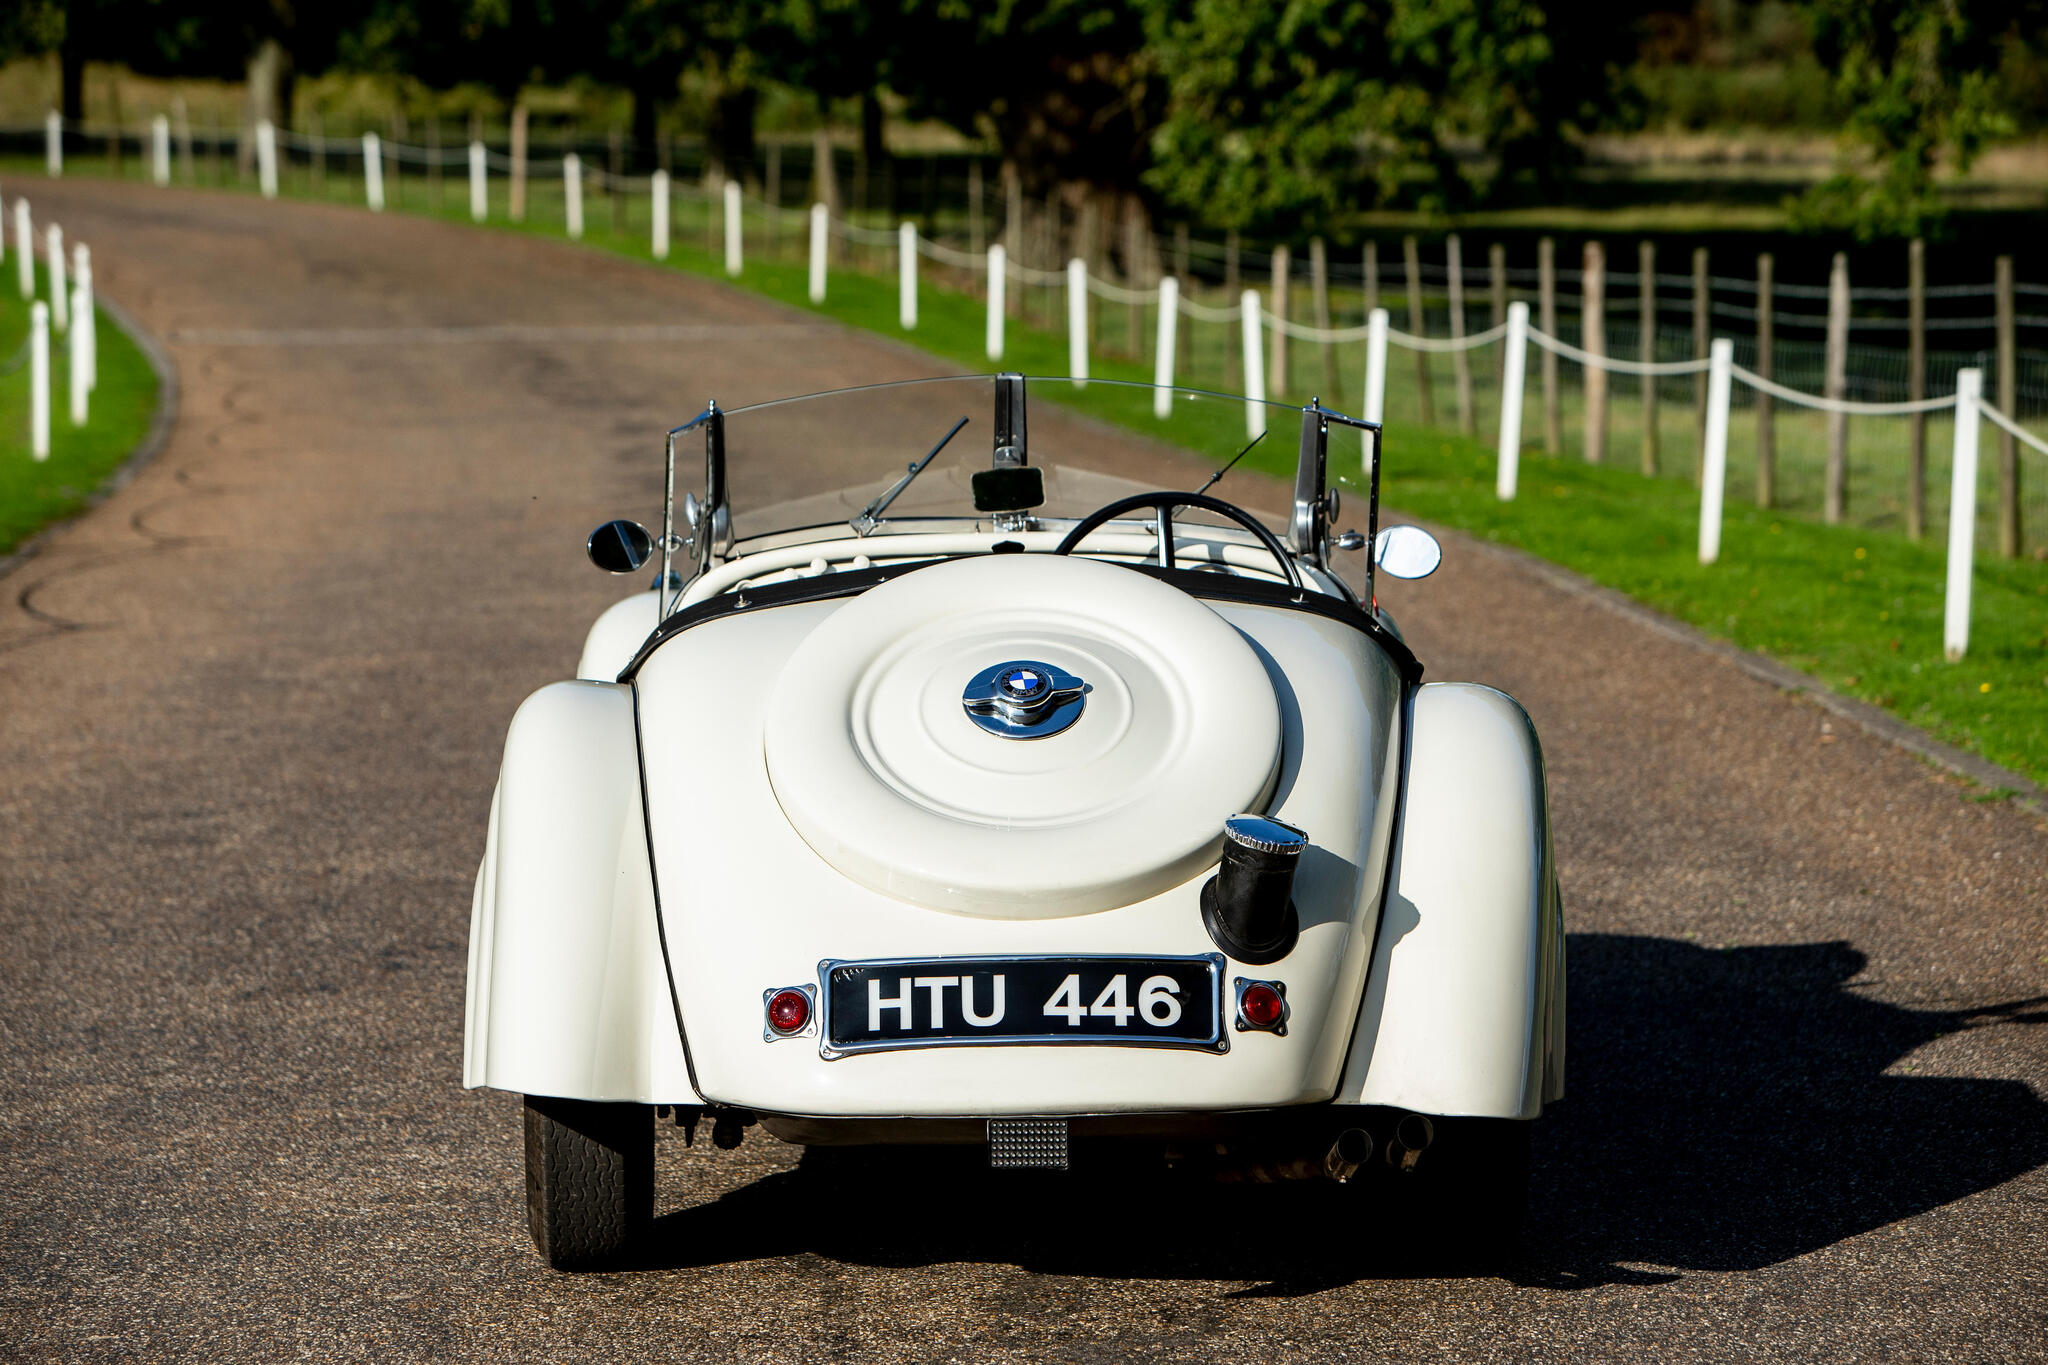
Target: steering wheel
1162,504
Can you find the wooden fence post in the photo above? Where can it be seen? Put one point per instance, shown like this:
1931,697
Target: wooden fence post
1135,274
1836,385
1319,282
1461,359
518,205
1013,228
181,116
1593,322
615,173
1371,264
1916,388
1546,306
1276,366
977,228
1231,373
1702,326
1646,349
1182,259
2011,538
433,161
1497,299
1411,258
1766,346
771,190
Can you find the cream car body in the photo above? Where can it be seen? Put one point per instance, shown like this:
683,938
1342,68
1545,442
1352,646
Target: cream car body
767,769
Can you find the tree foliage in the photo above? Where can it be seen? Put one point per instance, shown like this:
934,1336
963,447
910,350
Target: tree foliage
1918,78
1297,109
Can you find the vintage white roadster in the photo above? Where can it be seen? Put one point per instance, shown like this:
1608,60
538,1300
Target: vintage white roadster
1011,804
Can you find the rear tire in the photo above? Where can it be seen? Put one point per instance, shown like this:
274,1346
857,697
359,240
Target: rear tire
589,1179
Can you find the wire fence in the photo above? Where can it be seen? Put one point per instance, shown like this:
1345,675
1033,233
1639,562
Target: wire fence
1860,457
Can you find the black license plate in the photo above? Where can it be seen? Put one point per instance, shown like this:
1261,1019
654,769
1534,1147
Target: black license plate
955,1001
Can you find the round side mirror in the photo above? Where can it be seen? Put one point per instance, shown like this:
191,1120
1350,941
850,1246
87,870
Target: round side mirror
619,546
1407,552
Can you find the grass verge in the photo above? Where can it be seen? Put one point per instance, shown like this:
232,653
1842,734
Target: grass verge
34,493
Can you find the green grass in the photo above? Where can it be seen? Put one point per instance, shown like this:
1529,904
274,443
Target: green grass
1859,608
34,493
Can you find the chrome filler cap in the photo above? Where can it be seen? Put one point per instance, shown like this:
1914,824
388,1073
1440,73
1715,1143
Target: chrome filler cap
1024,699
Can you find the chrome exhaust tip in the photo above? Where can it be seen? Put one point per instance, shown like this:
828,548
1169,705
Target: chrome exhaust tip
1352,1149
1412,1136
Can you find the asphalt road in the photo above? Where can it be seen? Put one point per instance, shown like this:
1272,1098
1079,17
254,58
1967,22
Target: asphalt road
250,714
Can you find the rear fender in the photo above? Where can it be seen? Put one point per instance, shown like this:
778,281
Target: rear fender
1464,1008
568,988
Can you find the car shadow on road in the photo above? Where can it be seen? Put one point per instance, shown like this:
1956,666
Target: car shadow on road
1727,1110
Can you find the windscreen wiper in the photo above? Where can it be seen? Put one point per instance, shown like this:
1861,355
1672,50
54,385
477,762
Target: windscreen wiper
1233,461
871,516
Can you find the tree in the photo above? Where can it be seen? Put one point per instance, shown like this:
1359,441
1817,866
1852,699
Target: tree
1919,80
1064,87
1280,113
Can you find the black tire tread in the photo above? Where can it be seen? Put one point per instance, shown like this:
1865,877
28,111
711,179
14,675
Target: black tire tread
589,1179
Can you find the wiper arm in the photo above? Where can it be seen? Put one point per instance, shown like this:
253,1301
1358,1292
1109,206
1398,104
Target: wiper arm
1233,462
871,516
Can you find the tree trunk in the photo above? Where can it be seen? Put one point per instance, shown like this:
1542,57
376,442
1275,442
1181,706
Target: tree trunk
731,134
873,145
647,96
270,76
71,67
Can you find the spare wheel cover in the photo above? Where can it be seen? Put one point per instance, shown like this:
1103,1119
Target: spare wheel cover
877,764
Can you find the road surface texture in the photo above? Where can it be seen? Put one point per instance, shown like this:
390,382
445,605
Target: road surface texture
251,710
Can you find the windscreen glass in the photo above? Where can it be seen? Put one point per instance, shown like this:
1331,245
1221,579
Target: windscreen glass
822,459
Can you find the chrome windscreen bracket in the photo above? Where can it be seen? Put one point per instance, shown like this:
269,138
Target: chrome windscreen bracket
1012,446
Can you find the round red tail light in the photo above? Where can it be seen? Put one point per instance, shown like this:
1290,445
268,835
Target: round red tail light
1262,1006
789,1010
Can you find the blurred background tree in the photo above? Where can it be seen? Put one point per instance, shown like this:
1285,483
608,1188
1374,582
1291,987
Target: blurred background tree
1918,80
1236,112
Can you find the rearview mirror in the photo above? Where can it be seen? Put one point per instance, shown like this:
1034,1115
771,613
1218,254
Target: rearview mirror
1009,489
619,546
1407,552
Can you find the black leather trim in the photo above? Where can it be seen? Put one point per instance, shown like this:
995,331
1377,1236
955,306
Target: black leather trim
1212,587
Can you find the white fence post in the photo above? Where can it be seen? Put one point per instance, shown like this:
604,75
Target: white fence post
80,369
821,224
1375,405
657,185
572,195
160,150
373,172
735,245
998,293
906,275
479,183
266,158
1077,320
1714,468
1164,345
1962,516
86,317
53,144
60,305
39,379
24,250
1514,365
1254,365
